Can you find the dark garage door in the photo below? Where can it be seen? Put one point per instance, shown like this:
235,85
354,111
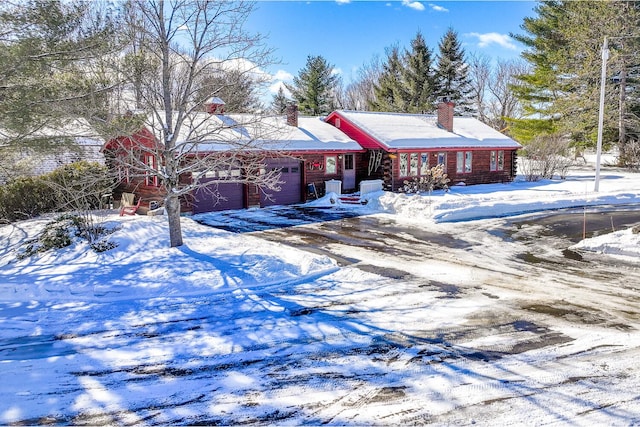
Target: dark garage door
225,196
290,189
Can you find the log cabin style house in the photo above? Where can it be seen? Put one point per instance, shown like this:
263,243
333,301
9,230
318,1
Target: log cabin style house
347,146
401,146
306,151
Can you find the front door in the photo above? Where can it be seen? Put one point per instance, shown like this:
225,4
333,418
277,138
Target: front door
349,173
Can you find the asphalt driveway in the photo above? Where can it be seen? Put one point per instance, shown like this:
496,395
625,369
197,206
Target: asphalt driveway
274,217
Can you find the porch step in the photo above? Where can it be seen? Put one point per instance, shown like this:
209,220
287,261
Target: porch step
353,200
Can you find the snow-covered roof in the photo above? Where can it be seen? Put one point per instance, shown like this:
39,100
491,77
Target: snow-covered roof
398,131
216,100
79,129
313,133
203,132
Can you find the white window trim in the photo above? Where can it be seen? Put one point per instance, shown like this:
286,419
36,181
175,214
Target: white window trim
406,162
462,165
424,163
326,165
468,166
414,171
444,159
151,163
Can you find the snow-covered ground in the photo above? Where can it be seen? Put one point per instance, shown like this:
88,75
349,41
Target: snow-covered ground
624,244
82,333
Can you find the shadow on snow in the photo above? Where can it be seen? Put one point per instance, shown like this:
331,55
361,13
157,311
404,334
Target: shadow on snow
304,353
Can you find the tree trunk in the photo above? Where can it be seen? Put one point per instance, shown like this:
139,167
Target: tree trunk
173,214
622,135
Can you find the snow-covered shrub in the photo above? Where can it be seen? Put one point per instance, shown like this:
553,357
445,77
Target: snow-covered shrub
103,246
56,235
63,231
434,179
546,156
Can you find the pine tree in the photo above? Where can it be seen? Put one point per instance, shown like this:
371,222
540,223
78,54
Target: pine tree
560,94
452,79
48,55
418,77
314,87
280,101
238,89
539,89
390,92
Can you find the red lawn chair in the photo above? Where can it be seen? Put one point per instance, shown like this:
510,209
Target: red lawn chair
127,207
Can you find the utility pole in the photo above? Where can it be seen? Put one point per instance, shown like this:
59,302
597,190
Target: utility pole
603,79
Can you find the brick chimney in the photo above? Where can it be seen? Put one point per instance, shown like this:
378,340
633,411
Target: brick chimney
215,106
292,114
445,114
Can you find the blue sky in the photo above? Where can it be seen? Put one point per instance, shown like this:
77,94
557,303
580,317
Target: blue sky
349,33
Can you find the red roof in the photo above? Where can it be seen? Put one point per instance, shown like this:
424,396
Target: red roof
142,138
352,131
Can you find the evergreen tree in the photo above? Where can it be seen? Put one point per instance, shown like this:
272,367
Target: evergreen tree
418,77
238,89
314,87
452,79
561,92
280,101
49,51
50,73
538,89
410,83
390,92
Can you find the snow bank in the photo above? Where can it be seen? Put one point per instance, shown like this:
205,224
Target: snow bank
623,244
466,203
328,200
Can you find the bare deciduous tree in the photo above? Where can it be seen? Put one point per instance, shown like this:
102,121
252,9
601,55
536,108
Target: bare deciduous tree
360,93
492,94
479,76
185,42
503,101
